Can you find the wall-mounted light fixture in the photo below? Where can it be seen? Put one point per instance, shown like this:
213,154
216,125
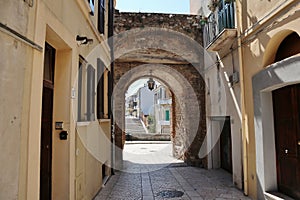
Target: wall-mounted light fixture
84,40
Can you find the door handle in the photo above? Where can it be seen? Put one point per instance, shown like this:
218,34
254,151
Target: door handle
286,151
299,143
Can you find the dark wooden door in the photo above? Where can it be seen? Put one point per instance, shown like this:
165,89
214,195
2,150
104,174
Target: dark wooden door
46,124
226,146
46,144
286,102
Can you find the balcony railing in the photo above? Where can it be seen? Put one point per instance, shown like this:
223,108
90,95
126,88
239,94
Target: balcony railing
225,20
164,123
164,101
226,17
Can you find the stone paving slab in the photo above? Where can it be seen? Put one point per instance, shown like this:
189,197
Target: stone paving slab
144,177
196,184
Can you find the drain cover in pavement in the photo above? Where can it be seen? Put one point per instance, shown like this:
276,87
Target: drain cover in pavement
170,194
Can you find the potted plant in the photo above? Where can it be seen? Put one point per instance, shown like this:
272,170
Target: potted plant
203,20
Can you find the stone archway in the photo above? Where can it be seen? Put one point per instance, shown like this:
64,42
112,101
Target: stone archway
188,126
176,58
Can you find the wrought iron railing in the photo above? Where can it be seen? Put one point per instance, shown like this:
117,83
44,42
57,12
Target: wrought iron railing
225,19
210,30
226,16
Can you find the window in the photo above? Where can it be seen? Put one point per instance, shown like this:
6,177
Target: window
110,86
101,16
86,92
167,115
100,89
49,63
90,93
92,6
110,18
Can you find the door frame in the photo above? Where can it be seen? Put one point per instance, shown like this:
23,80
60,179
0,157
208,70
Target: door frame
286,72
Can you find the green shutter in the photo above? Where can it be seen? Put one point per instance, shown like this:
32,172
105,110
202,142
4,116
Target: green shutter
167,115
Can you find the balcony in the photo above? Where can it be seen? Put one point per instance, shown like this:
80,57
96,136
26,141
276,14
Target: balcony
219,31
164,101
164,123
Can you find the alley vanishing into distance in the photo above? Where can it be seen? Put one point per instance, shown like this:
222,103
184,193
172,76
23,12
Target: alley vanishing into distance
148,176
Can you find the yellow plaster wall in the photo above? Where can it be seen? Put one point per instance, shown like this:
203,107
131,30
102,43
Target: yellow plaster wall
15,65
92,151
258,52
255,11
56,22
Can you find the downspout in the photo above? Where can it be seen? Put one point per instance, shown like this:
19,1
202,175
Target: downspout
243,108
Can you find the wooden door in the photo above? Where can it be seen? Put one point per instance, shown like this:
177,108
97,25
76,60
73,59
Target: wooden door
286,102
46,126
226,146
46,144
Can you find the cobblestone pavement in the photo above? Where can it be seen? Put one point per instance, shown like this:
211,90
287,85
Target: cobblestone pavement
158,181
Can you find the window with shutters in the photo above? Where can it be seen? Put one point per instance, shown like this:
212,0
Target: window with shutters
86,91
167,115
101,16
100,89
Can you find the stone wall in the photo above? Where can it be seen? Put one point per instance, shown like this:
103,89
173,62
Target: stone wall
188,133
188,125
186,24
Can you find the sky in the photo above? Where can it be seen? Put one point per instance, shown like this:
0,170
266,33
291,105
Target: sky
154,6
133,88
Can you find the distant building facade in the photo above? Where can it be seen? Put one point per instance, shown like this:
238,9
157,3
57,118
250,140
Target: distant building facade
162,109
132,108
145,103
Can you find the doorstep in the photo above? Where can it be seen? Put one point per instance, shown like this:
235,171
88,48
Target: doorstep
276,196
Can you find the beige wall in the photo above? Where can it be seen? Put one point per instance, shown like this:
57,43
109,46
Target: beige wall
21,82
90,156
262,25
260,45
255,12
16,60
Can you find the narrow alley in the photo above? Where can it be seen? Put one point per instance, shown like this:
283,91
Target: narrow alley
165,178
139,99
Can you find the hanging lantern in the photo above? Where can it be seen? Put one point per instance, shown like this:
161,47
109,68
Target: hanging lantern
151,84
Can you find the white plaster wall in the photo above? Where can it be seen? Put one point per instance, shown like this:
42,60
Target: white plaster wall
199,7
214,155
223,100
146,100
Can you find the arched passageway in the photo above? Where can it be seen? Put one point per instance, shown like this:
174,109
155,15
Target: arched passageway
187,132
174,56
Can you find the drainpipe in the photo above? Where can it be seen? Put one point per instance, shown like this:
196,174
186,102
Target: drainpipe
243,108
